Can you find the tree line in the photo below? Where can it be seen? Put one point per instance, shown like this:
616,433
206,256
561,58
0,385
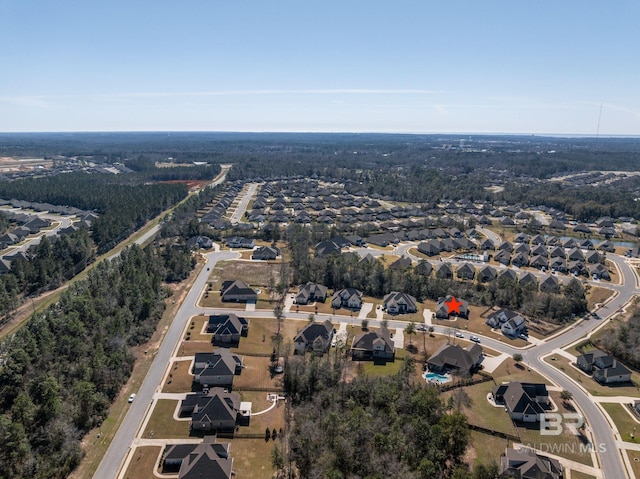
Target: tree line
373,279
61,371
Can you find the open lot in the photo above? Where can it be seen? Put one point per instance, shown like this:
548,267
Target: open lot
252,457
596,295
161,425
179,379
634,457
256,374
626,424
143,462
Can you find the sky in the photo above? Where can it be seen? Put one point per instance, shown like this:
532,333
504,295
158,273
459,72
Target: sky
563,67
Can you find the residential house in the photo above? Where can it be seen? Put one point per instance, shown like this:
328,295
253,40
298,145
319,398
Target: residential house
400,264
227,328
593,257
424,268
430,248
200,242
528,278
237,291
240,242
216,369
216,411
508,274
373,345
36,224
607,246
511,323
526,463
558,264
539,262
520,260
487,244
599,271
314,337
311,293
503,257
443,308
208,459
604,368
326,248
557,252
450,357
265,253
349,298
466,271
550,284
487,273
444,271
505,246
399,303
524,402
539,250
575,254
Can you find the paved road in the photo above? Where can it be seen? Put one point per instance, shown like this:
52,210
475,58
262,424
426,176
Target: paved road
59,221
120,444
244,201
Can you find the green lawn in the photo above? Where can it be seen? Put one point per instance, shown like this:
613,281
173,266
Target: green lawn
625,423
162,425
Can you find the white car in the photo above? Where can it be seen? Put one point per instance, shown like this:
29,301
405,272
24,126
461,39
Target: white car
132,397
459,335
475,339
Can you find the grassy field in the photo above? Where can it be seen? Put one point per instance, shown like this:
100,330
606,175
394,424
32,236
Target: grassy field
256,374
179,379
592,385
634,457
484,448
274,419
197,329
252,457
597,295
143,463
581,475
162,425
625,423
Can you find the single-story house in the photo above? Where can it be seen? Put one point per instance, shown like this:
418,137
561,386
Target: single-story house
524,402
215,411
206,459
216,369
550,284
265,253
240,242
227,328
466,271
453,357
399,303
314,337
527,463
237,291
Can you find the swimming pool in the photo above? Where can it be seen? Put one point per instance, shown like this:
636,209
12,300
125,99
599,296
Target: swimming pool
440,378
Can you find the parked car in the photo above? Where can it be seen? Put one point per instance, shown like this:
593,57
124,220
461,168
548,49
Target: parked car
475,339
459,335
523,336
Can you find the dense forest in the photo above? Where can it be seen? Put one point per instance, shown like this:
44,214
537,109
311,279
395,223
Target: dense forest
624,341
122,207
62,370
46,267
372,427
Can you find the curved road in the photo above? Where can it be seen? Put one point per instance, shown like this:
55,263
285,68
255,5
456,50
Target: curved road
611,462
